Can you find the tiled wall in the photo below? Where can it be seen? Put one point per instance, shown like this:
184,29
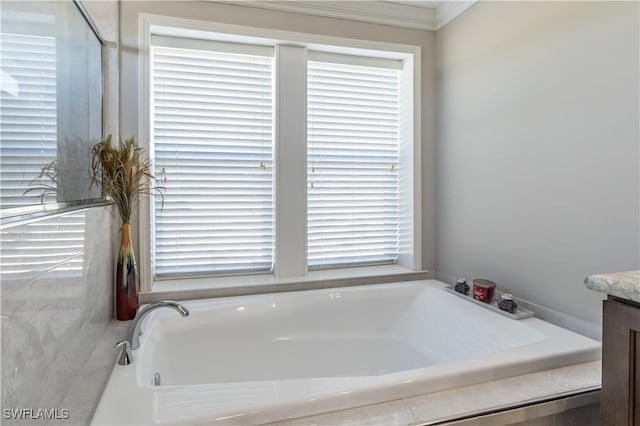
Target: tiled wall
56,304
56,284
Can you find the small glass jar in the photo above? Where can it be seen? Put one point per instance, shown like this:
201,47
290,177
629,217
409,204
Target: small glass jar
462,286
483,290
507,303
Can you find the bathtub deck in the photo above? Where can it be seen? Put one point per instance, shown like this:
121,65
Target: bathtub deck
464,401
410,411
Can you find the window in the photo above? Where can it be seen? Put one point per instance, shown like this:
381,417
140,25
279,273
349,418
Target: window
213,148
352,146
28,117
277,155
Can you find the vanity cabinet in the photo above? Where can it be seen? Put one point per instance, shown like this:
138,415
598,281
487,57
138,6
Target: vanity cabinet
620,363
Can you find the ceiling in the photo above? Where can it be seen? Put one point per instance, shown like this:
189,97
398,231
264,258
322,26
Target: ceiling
416,14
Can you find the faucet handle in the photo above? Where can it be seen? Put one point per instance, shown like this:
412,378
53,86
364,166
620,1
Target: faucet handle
125,357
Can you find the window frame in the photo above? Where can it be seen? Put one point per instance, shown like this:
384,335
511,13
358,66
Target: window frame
290,183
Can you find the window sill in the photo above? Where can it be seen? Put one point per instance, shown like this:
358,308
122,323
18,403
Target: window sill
241,285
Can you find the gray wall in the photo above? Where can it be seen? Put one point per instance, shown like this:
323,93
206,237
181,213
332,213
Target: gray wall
538,147
57,305
249,16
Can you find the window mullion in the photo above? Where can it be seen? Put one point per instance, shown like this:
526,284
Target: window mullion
291,161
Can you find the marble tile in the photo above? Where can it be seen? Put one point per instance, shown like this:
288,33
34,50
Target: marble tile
475,399
83,392
55,304
505,392
392,413
625,285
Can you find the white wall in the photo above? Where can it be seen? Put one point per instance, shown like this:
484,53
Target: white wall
538,147
248,16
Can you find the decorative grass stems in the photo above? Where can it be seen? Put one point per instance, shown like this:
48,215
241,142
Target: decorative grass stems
124,174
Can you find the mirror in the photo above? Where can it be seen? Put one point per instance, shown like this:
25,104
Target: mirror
50,106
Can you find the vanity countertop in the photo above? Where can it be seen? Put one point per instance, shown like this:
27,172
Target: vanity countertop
625,285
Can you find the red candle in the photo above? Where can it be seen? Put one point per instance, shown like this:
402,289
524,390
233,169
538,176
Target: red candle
483,290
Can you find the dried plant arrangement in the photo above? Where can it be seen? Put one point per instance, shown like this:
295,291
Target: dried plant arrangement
124,174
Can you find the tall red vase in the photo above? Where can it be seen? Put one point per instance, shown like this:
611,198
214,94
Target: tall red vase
126,277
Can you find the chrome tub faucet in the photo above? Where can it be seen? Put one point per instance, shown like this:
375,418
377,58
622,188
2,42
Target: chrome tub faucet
133,342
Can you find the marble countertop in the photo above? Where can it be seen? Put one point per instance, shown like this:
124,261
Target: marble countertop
625,285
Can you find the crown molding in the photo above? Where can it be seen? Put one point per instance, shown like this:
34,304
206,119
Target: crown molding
397,14
377,12
447,11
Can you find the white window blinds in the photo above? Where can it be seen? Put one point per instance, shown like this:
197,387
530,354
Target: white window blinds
212,141
352,145
51,248
27,117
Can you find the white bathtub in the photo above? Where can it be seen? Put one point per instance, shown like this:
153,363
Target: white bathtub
255,359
